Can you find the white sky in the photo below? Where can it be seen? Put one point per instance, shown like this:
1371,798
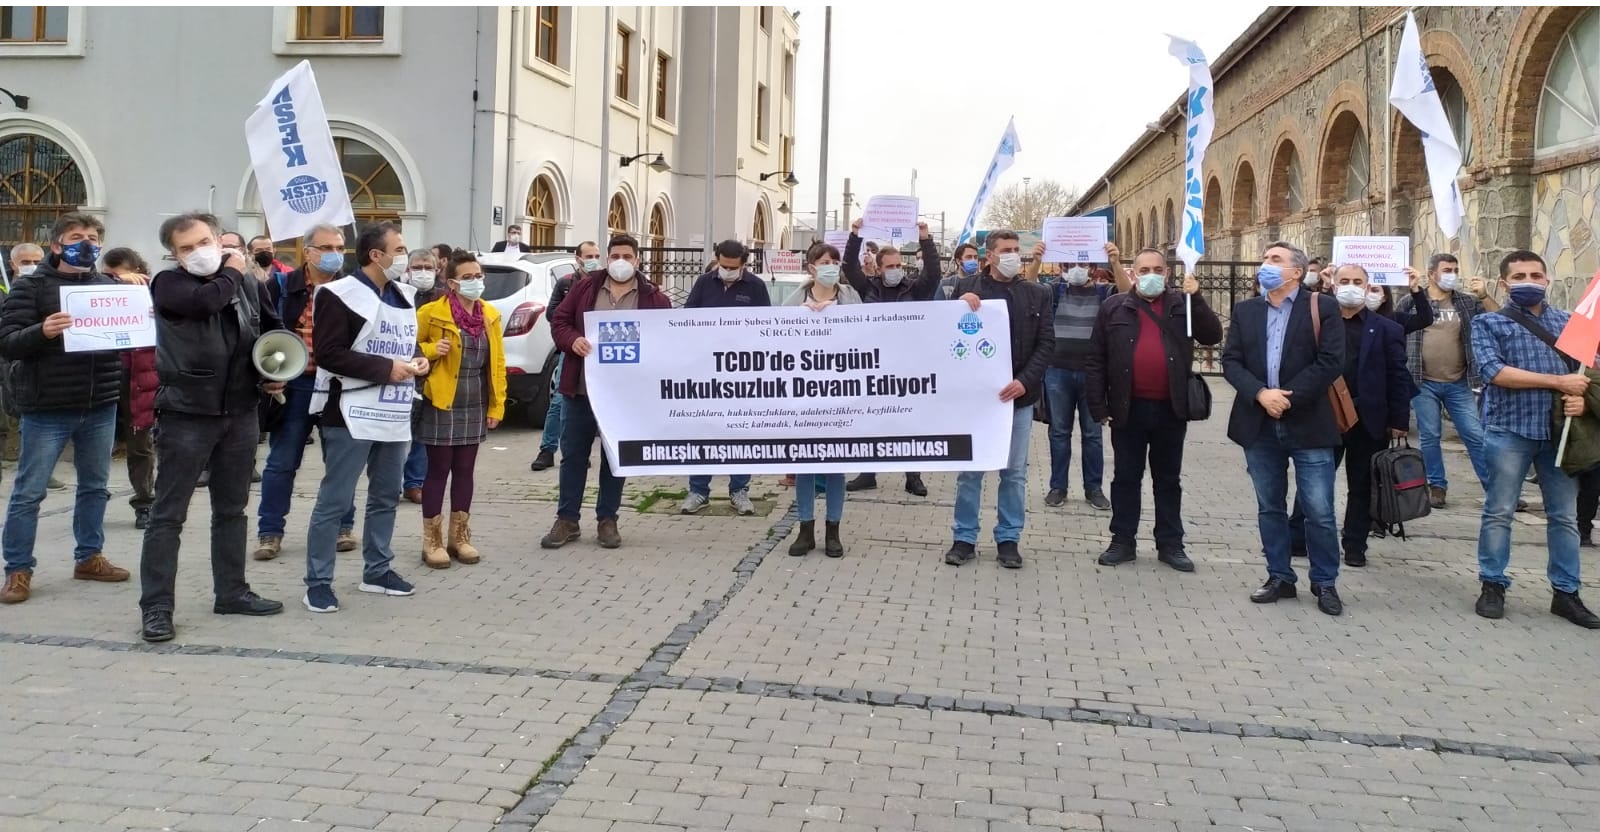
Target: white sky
917,88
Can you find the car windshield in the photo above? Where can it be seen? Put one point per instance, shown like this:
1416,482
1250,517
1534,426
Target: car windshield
502,282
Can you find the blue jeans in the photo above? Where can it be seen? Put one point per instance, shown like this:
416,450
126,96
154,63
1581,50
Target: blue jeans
285,449
805,496
44,436
578,432
1066,394
416,467
1509,457
1012,509
345,458
1268,463
554,414
1457,398
736,482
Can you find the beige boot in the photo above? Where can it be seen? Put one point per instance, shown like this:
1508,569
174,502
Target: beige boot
433,553
461,537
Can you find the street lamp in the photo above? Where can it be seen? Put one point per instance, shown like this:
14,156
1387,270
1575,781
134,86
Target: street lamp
20,101
789,179
658,164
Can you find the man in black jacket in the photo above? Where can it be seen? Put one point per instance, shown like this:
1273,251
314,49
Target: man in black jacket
886,283
63,396
1138,367
1282,362
1032,345
208,315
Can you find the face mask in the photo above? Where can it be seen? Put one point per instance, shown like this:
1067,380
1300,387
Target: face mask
330,262
1526,294
1152,284
24,271
593,264
969,266
203,262
82,254
1077,276
1270,277
423,279
513,238
828,275
1350,297
731,275
263,258
1010,264
892,277
1374,300
1449,281
471,289
1311,280
396,268
620,270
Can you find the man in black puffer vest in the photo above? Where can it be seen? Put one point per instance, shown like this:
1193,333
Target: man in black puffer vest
208,316
63,396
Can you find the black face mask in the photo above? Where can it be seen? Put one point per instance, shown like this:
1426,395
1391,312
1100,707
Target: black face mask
263,258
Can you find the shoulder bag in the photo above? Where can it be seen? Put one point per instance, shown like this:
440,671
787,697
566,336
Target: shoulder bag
1344,406
1196,392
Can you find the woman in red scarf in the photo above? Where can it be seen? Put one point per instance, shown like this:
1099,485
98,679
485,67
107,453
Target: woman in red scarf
464,398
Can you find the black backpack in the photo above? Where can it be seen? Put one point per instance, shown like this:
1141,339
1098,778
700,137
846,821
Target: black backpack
1399,487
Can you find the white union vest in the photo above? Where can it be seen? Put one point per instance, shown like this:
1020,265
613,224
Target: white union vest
373,412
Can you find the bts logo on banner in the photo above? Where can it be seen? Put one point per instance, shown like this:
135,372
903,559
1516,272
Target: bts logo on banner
619,342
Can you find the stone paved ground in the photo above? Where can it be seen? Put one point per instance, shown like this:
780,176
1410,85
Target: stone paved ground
700,679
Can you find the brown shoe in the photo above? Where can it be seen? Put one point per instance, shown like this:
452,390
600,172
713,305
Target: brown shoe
461,538
98,568
16,589
563,532
413,495
1436,496
347,541
433,553
268,547
607,532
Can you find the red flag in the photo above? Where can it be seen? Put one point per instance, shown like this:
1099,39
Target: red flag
1580,338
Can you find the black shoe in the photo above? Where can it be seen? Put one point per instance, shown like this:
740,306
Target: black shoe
204,481
247,604
862,482
1586,541
1120,551
914,485
158,625
544,461
1569,606
1177,559
1097,498
960,553
1492,602
1355,558
255,476
1056,497
1299,553
141,518
805,541
1328,599
1009,557
1522,505
1272,590
1377,531
832,544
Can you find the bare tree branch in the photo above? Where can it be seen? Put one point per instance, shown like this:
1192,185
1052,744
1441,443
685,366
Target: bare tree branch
1022,207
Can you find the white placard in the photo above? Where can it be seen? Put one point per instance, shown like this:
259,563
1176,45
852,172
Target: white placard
892,218
838,239
1384,258
107,317
779,261
881,387
1074,240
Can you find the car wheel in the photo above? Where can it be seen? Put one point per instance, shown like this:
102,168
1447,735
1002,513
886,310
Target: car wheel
539,405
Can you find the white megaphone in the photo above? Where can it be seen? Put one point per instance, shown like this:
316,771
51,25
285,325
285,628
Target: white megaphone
280,355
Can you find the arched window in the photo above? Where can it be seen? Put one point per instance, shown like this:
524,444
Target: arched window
1155,230
1170,230
1138,234
1569,104
758,229
1127,233
1346,161
1213,216
658,227
39,181
1286,190
375,192
617,215
1244,196
541,212
1358,170
1455,109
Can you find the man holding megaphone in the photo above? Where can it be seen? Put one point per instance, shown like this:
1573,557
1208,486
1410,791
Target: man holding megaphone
208,316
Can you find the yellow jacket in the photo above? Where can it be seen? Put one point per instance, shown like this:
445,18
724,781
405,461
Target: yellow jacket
434,322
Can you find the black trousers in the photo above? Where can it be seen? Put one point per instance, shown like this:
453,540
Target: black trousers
140,448
1155,433
1356,457
187,444
1588,500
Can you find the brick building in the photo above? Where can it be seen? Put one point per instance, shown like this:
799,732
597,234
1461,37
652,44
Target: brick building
1298,152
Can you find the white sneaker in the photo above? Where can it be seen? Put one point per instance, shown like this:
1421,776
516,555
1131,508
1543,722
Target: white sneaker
694,504
741,503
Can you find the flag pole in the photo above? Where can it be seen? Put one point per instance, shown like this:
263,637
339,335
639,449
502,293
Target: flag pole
1561,449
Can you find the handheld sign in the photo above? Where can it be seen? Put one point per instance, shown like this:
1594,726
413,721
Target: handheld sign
1074,240
892,218
115,317
1384,258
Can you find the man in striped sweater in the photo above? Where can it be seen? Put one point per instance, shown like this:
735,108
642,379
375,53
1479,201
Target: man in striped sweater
1077,303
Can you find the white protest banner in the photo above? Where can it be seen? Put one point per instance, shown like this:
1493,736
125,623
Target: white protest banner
779,261
1384,258
107,317
881,387
892,218
838,239
297,169
1074,240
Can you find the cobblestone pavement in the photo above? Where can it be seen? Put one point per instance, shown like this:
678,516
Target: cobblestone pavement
698,678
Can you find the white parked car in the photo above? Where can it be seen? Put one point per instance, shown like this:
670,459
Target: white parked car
519,287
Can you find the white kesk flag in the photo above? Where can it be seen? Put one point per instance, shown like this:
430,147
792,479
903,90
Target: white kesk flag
297,169
1004,156
1413,94
1202,123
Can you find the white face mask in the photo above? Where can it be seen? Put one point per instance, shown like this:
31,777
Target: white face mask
620,270
396,268
593,264
1374,300
1077,276
828,275
471,289
424,279
892,277
731,275
24,271
203,262
1449,281
1350,297
1010,264
1311,280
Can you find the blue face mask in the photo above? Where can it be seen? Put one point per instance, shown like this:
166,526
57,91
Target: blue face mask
1270,277
330,262
969,266
82,254
1526,295
1151,285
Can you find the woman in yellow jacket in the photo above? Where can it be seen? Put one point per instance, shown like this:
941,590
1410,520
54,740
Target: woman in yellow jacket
465,397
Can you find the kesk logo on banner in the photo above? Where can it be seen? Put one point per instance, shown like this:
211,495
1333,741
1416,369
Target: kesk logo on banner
885,387
297,169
